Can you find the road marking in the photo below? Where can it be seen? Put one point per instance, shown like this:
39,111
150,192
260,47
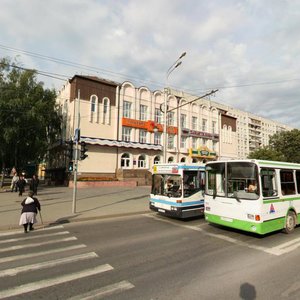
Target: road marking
105,291
32,245
47,264
291,290
285,247
35,254
219,236
33,237
34,286
13,232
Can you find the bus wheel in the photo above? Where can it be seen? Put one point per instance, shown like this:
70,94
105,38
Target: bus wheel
290,222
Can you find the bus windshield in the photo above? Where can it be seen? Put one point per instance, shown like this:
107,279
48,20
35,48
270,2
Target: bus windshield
172,185
239,181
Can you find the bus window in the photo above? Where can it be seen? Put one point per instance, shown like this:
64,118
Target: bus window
268,182
242,181
193,182
287,182
166,185
298,181
215,179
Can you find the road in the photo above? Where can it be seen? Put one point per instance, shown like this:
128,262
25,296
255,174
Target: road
148,257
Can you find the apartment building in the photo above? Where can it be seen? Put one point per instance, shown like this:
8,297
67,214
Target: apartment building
123,127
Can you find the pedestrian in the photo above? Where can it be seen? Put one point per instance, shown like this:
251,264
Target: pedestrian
30,207
34,184
21,185
14,181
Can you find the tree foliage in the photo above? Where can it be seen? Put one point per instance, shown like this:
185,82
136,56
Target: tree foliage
29,120
283,146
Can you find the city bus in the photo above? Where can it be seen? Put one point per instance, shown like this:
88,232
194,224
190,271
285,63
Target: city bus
178,190
253,195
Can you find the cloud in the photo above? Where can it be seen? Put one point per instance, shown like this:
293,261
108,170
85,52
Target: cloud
249,49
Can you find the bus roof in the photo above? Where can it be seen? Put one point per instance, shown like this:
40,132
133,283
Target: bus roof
264,163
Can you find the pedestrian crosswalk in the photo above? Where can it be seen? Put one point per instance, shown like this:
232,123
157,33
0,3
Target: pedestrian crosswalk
53,258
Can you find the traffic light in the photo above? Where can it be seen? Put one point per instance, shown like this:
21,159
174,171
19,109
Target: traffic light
70,149
83,149
70,168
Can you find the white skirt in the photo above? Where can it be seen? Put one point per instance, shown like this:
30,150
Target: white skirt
27,217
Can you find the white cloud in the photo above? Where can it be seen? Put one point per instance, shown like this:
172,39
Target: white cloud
228,43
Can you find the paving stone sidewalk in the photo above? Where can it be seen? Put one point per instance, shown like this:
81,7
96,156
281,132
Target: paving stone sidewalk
91,203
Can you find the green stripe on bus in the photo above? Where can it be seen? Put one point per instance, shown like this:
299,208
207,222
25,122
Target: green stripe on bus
281,200
259,228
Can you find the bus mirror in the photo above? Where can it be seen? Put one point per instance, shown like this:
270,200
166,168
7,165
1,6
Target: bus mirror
235,195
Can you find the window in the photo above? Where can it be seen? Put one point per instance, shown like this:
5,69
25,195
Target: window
158,116
298,181
214,127
157,138
142,161
170,159
268,182
287,182
170,141
194,142
183,140
93,108
106,111
194,123
183,120
182,160
204,125
215,179
126,134
126,109
143,136
170,118
125,161
143,112
156,160
193,182
214,145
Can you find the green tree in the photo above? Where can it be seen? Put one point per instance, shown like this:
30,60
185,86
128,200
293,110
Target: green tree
29,118
266,153
283,146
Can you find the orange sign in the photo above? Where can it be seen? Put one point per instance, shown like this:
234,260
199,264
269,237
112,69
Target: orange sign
148,125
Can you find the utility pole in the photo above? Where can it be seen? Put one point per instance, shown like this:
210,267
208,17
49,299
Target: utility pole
77,137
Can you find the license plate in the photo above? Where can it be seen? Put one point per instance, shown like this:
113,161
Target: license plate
161,210
226,219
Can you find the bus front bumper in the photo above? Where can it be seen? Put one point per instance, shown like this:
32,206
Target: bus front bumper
179,212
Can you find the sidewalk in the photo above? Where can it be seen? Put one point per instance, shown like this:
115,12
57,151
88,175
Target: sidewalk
91,203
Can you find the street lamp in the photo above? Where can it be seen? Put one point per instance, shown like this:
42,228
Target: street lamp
175,65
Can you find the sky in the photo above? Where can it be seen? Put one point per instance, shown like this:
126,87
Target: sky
247,49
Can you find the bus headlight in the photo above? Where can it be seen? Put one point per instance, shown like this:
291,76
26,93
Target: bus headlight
173,208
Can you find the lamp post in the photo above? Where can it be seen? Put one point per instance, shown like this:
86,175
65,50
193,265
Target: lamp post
175,65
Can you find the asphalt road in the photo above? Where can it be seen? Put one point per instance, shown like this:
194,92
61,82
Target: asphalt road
148,257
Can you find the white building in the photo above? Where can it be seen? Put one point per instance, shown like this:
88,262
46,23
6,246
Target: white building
123,128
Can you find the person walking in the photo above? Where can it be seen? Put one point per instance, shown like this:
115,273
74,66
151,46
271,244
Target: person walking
34,184
21,185
30,208
14,182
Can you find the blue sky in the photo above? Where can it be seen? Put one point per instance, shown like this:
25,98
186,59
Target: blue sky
248,49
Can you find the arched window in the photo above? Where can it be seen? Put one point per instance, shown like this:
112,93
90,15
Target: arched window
182,159
156,160
195,160
93,108
125,161
170,159
142,161
106,111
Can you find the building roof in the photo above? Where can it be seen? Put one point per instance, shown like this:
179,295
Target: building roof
96,79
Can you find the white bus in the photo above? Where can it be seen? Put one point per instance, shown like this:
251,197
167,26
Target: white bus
253,195
178,190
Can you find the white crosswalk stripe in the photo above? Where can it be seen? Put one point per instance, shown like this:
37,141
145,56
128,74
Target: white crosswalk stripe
50,259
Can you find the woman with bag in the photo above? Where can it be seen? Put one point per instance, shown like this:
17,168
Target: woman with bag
30,205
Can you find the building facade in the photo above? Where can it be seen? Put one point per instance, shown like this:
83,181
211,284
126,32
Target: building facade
123,128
